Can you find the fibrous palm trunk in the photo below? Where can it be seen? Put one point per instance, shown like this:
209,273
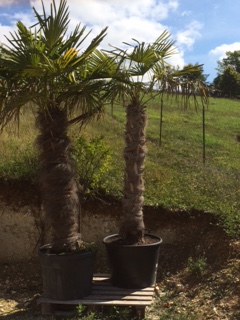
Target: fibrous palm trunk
134,154
58,188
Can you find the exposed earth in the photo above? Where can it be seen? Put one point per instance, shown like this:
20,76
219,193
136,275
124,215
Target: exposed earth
194,282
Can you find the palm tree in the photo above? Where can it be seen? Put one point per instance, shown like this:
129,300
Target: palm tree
47,67
142,72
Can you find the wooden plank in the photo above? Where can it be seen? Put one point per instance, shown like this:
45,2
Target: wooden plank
117,297
109,287
95,302
99,280
101,275
102,283
103,293
98,298
117,303
121,292
105,281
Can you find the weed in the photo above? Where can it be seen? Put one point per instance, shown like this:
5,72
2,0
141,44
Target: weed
111,313
197,267
166,308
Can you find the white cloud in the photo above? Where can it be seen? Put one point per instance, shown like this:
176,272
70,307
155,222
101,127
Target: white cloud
186,38
186,13
4,30
4,3
138,19
27,19
106,12
220,51
162,10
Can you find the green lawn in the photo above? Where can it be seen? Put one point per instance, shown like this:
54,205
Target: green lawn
175,175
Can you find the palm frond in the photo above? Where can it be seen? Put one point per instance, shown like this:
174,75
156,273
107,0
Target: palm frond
53,27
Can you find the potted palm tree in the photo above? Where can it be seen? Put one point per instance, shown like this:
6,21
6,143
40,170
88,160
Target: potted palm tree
47,67
143,73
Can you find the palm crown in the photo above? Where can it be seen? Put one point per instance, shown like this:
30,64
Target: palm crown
43,64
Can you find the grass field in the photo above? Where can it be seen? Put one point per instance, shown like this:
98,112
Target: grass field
175,175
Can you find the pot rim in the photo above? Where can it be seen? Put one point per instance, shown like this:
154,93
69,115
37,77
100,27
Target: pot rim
43,251
133,245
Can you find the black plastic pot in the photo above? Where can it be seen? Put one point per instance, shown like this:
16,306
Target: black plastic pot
133,266
67,276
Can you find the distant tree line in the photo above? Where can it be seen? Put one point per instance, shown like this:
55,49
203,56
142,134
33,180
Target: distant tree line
227,81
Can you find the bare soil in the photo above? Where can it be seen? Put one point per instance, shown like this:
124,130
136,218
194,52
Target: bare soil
198,275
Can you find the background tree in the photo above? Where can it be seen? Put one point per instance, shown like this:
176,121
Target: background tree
228,78
228,82
232,60
45,66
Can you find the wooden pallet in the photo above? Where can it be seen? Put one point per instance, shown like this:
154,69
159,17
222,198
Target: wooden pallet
103,294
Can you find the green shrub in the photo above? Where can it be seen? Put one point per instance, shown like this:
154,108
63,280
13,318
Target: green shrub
93,163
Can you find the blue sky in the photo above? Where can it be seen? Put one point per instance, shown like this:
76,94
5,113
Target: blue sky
203,30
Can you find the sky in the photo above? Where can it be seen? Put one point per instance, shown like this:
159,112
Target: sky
203,30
